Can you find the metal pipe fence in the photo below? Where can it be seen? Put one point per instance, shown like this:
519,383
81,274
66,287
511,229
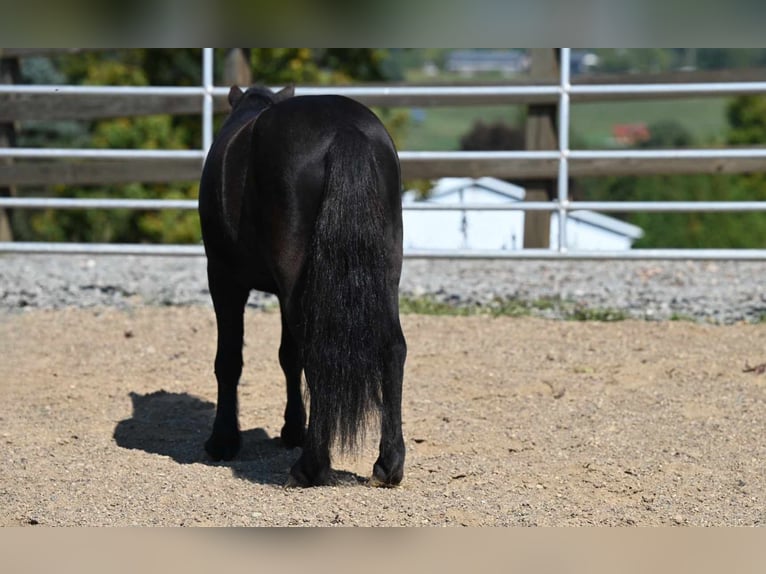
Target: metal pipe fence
567,160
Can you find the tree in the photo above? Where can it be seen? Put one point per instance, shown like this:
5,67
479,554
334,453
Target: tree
667,134
128,67
700,229
747,120
727,58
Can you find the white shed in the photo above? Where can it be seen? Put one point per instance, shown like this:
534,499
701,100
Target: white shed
500,230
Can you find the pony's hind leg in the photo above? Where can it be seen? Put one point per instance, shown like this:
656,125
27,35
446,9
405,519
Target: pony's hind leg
293,431
313,466
229,299
389,468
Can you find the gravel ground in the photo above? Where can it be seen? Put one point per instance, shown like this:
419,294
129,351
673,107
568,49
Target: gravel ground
108,393
718,292
507,421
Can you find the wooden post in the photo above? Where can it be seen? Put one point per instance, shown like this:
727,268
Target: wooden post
9,74
541,134
237,70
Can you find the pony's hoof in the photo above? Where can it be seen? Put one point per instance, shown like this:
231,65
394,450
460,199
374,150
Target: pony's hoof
219,448
301,477
292,483
374,482
383,478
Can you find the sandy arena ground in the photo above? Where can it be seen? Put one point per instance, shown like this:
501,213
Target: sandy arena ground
508,421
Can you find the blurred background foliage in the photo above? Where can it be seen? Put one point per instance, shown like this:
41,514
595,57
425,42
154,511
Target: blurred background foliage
144,67
678,123
746,125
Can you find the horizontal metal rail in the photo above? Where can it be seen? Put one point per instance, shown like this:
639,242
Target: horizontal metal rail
586,92
68,90
410,156
632,254
643,154
137,249
43,248
422,95
99,154
611,206
571,206
103,154
667,206
96,203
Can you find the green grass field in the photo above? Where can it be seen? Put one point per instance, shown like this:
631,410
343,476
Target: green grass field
443,126
705,118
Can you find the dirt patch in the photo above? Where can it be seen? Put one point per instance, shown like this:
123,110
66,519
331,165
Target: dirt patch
508,421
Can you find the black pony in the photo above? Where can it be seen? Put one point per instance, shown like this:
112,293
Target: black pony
300,196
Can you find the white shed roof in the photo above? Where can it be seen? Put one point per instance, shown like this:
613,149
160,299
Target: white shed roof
451,185
447,190
609,223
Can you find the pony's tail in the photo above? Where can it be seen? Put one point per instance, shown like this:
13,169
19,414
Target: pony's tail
346,298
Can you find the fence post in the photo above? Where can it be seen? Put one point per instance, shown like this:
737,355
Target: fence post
540,134
237,70
9,74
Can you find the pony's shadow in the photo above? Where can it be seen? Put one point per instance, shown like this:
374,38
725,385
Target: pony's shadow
177,425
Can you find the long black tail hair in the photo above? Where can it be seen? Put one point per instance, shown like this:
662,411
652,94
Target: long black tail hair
348,313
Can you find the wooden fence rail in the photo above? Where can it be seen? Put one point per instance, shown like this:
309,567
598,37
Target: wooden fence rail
93,172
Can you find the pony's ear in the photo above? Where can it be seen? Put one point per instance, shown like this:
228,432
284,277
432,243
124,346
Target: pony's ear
234,95
235,166
284,93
